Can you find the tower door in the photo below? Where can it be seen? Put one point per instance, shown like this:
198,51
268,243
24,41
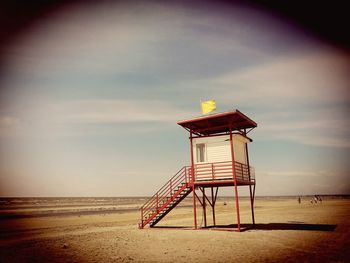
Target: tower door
200,153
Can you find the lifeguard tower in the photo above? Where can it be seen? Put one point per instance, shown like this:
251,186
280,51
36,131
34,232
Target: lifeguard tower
219,158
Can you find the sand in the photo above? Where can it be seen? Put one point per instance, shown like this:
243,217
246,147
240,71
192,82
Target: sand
285,232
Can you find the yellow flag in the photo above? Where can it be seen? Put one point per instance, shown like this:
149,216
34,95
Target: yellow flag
208,106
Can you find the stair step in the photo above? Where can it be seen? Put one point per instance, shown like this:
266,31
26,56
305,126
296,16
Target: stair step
166,205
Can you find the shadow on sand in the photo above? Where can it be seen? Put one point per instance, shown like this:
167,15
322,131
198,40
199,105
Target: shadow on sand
269,226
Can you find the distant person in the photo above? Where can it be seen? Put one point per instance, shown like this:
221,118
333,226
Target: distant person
299,200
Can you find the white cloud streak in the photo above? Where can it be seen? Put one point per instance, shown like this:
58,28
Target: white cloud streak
294,173
295,98
8,125
45,118
119,111
319,76
302,182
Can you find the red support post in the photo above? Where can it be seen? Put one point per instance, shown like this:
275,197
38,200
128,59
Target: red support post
192,183
204,209
235,181
213,205
194,207
250,186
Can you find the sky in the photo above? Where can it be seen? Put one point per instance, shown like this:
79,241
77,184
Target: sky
91,93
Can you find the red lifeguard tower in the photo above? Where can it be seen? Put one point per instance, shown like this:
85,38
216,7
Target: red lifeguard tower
219,158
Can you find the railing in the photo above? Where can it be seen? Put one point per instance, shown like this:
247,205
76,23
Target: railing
203,172
157,201
222,171
181,180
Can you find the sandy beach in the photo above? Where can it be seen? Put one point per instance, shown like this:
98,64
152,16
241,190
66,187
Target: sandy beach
106,231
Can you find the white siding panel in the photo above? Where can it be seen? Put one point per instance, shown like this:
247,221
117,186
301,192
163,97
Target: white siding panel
218,152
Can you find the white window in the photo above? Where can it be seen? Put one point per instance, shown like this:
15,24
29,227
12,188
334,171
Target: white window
200,152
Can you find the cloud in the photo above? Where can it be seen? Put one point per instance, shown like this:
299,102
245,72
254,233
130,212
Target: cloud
44,118
8,125
299,98
165,44
320,76
8,121
324,126
302,182
118,111
294,173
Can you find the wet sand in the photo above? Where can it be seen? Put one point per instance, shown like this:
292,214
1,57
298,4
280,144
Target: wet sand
285,232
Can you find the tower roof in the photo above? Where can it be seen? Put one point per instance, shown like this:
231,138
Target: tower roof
218,123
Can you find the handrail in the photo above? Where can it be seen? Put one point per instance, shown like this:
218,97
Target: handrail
163,187
165,192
